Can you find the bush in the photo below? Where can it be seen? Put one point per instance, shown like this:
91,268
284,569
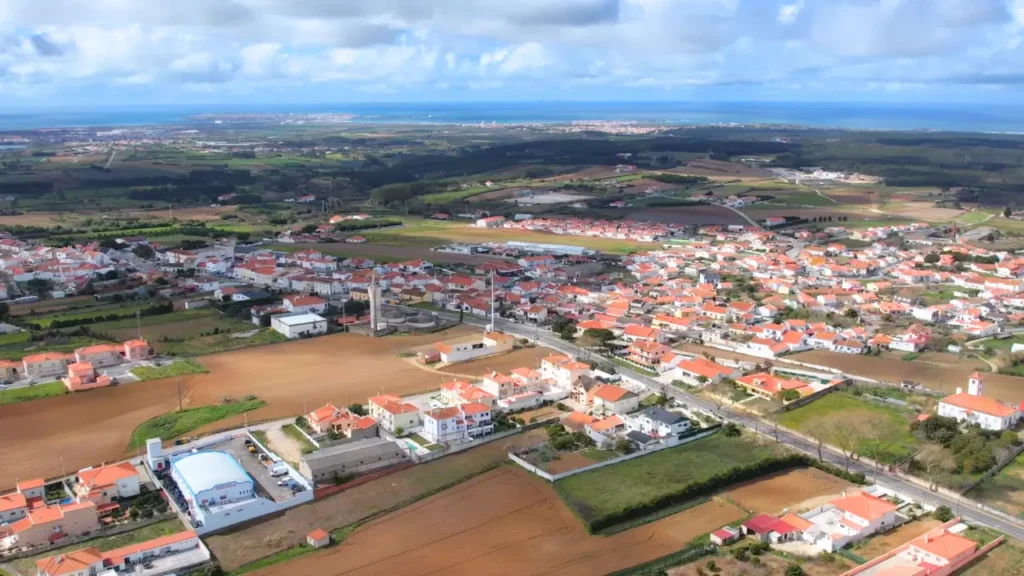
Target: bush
943,514
794,570
731,430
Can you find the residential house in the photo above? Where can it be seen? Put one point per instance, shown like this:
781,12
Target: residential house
456,424
138,349
393,414
301,304
660,423
699,371
106,483
770,387
46,364
613,399
647,353
82,376
51,524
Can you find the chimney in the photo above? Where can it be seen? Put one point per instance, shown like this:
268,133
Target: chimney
959,390
927,538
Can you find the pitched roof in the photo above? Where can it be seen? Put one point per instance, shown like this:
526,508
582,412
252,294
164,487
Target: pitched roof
981,404
318,534
106,475
116,556
610,393
70,562
864,505
944,544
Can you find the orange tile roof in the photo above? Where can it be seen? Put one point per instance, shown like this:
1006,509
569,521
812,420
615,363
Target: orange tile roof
980,404
945,544
610,393
577,420
116,556
106,475
864,505
30,484
137,343
46,356
606,424
318,534
12,501
70,562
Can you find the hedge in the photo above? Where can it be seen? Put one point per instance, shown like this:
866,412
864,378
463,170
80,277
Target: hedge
714,484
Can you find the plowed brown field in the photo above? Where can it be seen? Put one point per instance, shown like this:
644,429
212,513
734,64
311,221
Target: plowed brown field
503,522
944,378
91,427
771,494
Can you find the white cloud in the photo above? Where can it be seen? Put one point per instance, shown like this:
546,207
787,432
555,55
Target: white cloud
788,12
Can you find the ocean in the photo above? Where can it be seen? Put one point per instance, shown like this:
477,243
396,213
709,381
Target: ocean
860,116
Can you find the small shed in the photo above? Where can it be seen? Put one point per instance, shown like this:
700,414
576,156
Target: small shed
725,535
318,538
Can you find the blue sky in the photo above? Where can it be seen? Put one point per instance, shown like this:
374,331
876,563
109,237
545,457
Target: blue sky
75,54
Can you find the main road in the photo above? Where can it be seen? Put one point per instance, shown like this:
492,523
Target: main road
968,509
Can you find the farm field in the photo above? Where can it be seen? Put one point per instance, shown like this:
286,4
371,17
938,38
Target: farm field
762,211
901,445
389,253
428,234
256,541
717,168
771,564
16,346
1005,490
503,522
180,325
940,378
1005,559
702,215
340,368
529,357
600,493
802,488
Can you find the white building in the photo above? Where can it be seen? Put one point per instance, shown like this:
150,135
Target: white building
848,519
298,325
457,423
974,408
302,304
491,343
211,478
660,423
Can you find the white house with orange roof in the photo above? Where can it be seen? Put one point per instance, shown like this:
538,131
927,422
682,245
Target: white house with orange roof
301,304
490,343
51,524
974,408
498,385
693,370
46,364
939,552
613,399
848,519
82,376
103,484
562,371
463,392
456,424
13,507
392,413
99,355
769,387
138,349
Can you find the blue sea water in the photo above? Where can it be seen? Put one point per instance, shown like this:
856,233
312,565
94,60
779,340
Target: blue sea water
952,117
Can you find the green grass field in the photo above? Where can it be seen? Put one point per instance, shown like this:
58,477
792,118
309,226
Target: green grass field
1005,490
174,424
607,490
19,350
93,312
176,368
219,343
943,294
295,434
26,393
455,195
27,565
901,445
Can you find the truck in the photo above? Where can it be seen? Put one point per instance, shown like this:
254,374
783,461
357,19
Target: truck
279,469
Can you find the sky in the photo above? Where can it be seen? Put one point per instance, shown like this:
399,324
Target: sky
76,54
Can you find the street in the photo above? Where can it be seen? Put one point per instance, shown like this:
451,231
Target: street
964,507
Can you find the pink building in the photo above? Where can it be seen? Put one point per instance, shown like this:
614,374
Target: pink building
82,376
137,350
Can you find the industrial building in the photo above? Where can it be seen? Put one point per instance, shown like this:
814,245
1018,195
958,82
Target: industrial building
550,248
350,458
225,484
299,325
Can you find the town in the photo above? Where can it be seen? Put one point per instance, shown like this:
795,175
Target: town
715,334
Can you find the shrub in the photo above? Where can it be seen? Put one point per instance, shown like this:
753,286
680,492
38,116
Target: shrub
794,570
943,514
731,430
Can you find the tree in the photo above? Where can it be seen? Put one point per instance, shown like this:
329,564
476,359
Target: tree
357,409
790,395
931,258
851,313
881,433
624,446
38,286
943,514
846,431
818,430
144,251
5,312
399,431
1007,212
934,458
596,338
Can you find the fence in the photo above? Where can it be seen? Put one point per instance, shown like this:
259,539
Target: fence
658,565
812,397
100,533
556,477
995,469
448,450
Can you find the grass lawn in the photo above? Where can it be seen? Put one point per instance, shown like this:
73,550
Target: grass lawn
260,436
1002,343
176,368
18,350
175,424
295,434
1005,490
455,195
1007,558
943,294
27,393
902,445
424,442
634,367
119,309
607,490
156,530
219,343
598,455
652,400
802,199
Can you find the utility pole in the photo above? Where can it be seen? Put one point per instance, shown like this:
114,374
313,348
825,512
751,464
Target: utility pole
138,321
494,327
179,393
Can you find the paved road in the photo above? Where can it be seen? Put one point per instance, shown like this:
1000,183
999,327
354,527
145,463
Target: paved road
969,510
